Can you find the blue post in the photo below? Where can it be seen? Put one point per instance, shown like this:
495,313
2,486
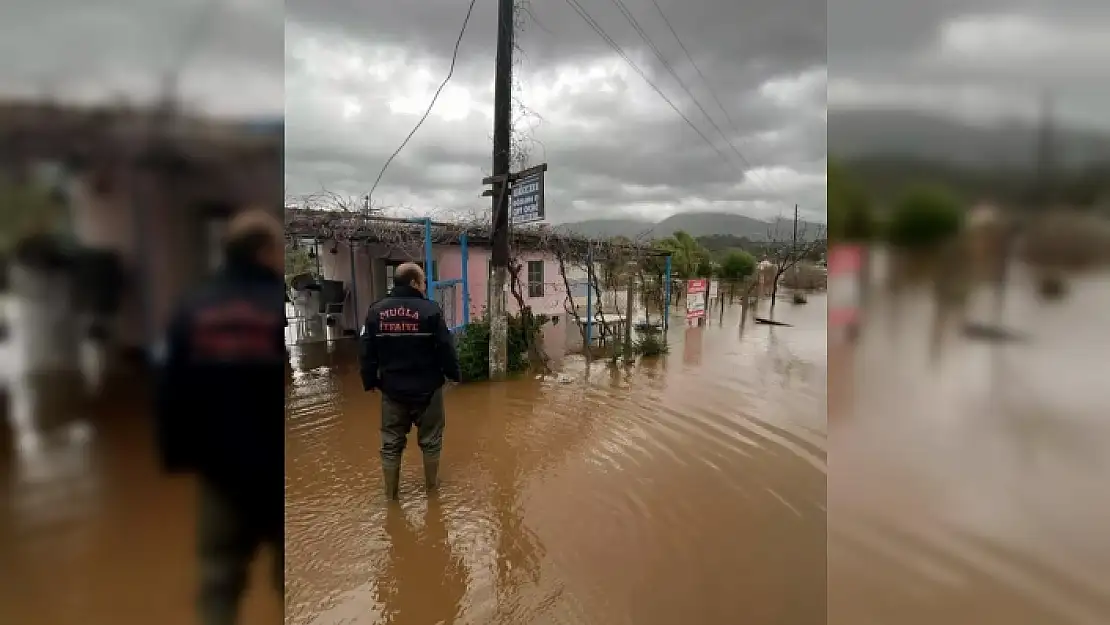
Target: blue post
465,279
429,271
667,296
356,313
589,298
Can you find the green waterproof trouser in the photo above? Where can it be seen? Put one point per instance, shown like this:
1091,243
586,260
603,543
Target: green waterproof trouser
228,541
399,417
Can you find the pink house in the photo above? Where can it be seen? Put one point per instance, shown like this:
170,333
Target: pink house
372,265
542,285
156,195
366,264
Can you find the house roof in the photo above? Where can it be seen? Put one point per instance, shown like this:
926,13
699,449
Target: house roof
205,158
344,225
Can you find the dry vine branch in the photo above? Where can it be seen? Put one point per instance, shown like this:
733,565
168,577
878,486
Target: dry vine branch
328,216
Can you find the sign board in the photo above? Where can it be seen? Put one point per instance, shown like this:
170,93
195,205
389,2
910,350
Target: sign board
714,290
845,267
696,291
526,199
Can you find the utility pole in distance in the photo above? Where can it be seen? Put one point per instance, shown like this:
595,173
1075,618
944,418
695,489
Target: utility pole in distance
502,139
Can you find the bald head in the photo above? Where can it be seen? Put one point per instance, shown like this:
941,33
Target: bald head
255,236
410,275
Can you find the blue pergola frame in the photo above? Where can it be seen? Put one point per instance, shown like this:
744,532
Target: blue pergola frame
429,266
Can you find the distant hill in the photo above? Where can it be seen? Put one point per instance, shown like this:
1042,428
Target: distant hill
695,224
1005,146
889,151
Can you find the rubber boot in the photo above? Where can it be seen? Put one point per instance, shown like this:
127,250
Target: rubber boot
392,478
431,473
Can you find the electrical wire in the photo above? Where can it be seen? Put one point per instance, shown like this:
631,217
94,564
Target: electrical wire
592,23
690,57
705,81
662,59
431,105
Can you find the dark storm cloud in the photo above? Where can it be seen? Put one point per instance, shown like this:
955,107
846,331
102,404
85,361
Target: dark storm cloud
107,49
1032,46
613,145
719,32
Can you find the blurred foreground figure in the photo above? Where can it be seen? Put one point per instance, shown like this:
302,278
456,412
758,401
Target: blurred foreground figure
407,352
221,411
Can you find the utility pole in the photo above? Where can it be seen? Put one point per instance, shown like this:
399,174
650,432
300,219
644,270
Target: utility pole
502,137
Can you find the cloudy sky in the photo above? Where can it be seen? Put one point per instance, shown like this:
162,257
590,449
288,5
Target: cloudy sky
360,74
231,51
978,59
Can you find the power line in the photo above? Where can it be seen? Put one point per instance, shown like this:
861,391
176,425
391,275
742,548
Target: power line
659,55
690,57
704,80
431,105
585,15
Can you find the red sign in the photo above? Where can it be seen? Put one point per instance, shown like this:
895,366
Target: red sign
696,291
845,268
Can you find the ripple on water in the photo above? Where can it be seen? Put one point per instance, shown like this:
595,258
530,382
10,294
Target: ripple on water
968,486
644,495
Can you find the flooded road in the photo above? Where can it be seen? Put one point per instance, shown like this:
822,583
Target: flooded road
689,490
90,531
968,483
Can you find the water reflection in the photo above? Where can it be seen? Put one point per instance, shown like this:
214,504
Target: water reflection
691,346
412,595
641,495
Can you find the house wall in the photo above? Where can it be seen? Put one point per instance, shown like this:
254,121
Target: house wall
370,270
554,298
369,273
370,260
177,249
106,223
554,292
168,260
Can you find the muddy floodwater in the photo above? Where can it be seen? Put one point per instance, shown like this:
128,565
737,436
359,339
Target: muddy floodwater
688,490
90,532
969,480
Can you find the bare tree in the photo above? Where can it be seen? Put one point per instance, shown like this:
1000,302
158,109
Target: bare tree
784,252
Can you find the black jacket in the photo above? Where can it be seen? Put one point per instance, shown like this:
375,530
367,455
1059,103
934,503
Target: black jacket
406,349
221,393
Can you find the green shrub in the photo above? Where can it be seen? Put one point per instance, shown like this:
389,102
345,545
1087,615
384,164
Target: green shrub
925,218
472,345
737,265
651,344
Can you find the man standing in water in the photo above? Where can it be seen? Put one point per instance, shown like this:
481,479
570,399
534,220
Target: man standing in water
221,411
407,353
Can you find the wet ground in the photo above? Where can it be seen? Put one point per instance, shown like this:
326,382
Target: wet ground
968,483
90,532
689,490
